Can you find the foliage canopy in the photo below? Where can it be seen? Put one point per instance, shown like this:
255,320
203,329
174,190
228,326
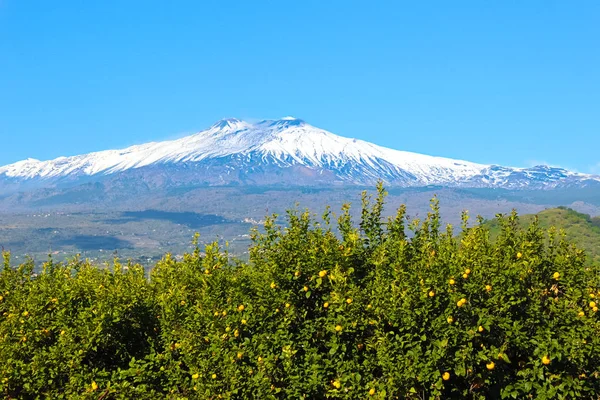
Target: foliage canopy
324,308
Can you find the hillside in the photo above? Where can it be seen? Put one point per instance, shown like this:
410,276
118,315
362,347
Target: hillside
580,228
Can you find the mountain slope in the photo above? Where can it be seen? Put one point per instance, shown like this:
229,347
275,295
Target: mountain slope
285,151
581,229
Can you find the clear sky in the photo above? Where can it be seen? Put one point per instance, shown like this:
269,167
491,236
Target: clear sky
506,82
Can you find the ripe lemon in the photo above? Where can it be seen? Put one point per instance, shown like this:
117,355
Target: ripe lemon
451,281
467,271
25,313
431,293
182,302
273,285
241,307
581,313
305,288
214,376
371,392
594,309
592,304
461,302
338,328
322,273
297,274
465,276
545,360
556,276
488,288
195,376
325,305
519,255
240,355
287,305
94,385
450,319
446,376
491,365
244,322
349,301
337,384
480,329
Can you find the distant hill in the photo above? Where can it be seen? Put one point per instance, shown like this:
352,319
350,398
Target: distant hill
580,228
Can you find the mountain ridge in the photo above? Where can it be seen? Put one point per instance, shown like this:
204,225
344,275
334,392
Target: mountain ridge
240,152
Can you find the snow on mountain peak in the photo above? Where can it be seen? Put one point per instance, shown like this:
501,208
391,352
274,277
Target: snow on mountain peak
284,143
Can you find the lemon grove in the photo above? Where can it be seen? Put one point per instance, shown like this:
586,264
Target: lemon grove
323,308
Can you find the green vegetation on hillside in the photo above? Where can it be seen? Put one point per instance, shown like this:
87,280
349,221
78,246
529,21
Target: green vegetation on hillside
579,228
329,309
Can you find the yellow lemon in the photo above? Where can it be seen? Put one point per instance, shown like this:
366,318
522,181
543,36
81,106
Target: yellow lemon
446,376
519,255
349,301
240,355
592,295
273,285
490,365
488,288
244,322
182,302
480,329
94,385
236,333
461,302
371,392
431,293
452,281
325,305
465,276
322,273
214,376
195,376
241,307
224,313
592,304
338,328
287,305
467,271
545,360
594,309
25,313
305,288
337,384
556,275
297,274
228,329
450,319
581,313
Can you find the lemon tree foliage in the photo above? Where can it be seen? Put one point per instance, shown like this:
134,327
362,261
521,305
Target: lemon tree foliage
323,309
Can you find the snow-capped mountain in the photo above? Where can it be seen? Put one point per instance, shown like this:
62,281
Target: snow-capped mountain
286,151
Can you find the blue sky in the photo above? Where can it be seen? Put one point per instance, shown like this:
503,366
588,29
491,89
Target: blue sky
505,82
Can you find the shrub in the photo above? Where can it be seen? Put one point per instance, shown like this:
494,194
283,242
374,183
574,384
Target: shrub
322,309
